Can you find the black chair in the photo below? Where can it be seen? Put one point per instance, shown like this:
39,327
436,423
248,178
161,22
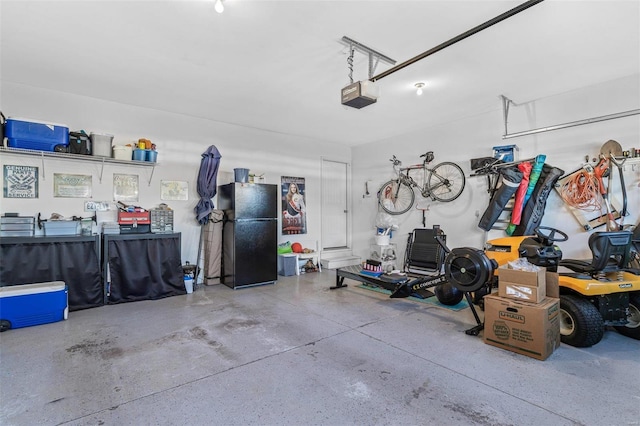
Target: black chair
610,250
424,255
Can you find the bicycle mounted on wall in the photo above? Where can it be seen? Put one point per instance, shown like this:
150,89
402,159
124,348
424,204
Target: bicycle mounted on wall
442,182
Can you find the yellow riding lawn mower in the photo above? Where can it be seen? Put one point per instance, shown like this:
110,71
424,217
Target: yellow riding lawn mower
602,291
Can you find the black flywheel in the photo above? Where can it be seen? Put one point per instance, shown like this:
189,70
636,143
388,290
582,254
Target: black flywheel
468,269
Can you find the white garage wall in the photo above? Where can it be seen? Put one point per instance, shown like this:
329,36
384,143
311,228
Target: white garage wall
180,140
473,137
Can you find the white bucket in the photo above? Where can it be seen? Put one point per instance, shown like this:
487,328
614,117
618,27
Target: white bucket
188,285
101,144
383,240
122,152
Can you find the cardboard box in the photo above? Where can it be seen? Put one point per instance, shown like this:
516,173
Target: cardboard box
522,327
522,285
526,293
552,287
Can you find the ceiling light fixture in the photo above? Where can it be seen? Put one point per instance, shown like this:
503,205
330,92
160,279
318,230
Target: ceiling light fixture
219,7
419,87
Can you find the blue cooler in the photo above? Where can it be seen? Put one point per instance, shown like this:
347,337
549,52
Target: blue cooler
30,134
33,304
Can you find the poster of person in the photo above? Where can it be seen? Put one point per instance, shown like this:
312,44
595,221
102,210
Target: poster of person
125,187
72,186
294,210
20,182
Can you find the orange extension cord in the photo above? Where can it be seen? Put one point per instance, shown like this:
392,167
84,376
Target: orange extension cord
582,191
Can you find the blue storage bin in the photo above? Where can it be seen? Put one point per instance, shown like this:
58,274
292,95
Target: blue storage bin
151,155
37,135
139,155
33,304
509,152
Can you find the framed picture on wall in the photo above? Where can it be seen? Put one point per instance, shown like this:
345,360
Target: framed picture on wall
125,187
71,186
20,182
294,210
174,190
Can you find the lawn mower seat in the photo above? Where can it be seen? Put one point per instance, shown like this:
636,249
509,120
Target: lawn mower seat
610,252
635,239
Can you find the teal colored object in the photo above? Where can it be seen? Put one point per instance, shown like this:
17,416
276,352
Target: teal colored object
429,301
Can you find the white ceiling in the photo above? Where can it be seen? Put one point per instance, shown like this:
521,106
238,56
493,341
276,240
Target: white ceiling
279,65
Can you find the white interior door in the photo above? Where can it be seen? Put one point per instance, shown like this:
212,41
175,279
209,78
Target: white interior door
335,206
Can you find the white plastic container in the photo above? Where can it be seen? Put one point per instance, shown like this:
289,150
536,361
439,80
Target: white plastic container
188,284
383,240
122,152
101,144
61,227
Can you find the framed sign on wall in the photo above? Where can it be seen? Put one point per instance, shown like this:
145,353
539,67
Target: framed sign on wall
71,186
125,187
20,182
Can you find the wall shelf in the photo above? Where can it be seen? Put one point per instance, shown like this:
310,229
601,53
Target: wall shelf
78,157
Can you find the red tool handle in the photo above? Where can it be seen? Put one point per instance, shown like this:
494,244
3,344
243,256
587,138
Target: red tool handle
599,171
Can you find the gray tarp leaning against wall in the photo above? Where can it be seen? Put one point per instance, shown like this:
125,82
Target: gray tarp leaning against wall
207,189
213,248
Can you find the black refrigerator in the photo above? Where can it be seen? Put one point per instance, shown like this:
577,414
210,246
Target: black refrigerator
249,234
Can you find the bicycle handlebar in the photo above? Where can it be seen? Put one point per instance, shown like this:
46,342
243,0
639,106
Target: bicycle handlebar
429,158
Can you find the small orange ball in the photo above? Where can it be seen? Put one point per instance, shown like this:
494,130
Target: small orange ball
296,248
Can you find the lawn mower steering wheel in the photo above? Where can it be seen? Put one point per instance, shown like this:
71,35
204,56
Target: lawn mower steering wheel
550,236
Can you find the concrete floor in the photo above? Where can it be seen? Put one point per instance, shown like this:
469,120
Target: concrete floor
296,353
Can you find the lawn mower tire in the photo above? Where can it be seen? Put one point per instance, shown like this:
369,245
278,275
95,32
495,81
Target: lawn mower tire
581,323
632,328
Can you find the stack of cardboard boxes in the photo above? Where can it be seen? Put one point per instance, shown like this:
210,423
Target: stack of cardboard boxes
524,316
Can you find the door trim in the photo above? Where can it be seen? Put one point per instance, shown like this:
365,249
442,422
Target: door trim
348,203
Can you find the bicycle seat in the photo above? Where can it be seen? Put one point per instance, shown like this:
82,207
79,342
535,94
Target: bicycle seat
429,157
610,253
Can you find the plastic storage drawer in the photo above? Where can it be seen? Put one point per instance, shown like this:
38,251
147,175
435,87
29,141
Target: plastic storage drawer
41,136
161,221
16,226
61,227
33,304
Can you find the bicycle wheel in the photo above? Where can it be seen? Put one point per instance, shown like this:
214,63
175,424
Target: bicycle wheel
395,197
446,182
